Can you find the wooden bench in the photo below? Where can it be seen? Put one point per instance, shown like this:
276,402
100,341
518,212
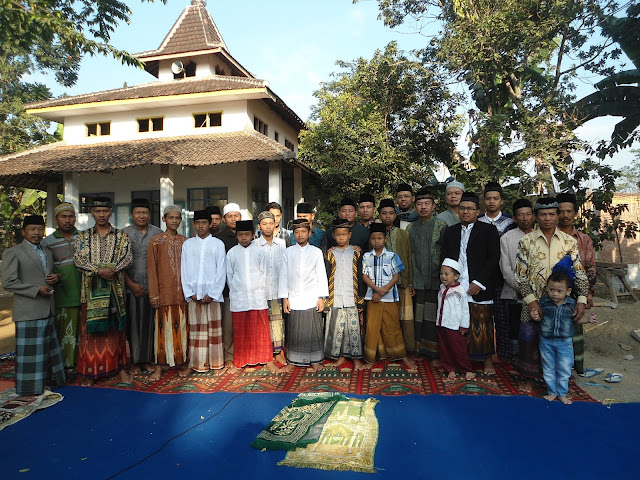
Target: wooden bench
607,271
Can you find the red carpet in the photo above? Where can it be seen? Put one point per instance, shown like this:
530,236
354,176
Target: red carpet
382,379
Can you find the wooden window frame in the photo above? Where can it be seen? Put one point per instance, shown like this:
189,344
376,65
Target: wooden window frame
98,128
207,119
150,124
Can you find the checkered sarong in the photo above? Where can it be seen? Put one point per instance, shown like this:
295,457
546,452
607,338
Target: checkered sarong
37,354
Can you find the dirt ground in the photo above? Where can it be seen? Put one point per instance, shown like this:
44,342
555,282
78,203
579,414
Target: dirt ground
602,347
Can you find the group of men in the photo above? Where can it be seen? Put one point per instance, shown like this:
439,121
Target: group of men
195,303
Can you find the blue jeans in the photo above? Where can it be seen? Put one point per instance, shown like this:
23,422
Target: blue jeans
557,361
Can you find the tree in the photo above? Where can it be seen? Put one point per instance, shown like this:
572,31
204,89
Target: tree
619,93
380,121
513,56
629,180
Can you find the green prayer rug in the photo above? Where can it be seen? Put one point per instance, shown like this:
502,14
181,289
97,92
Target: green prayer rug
347,442
297,424
14,407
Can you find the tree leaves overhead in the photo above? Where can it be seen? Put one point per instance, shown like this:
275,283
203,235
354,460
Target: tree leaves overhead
378,122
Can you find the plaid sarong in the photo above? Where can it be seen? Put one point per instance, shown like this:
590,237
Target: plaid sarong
37,355
206,348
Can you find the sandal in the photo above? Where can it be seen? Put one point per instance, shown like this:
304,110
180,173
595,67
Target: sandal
613,378
591,372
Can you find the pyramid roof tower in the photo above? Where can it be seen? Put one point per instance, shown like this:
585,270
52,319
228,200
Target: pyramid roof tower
193,34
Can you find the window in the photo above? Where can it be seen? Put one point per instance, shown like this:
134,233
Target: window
188,71
259,200
86,200
288,144
203,120
154,199
260,126
276,136
201,198
98,129
155,124
220,71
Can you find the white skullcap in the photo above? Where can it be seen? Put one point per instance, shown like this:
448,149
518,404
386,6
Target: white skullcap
455,184
449,262
171,208
230,207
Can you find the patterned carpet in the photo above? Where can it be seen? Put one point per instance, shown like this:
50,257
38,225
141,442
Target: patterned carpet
383,379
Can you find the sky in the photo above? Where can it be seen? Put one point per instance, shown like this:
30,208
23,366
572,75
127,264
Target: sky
293,44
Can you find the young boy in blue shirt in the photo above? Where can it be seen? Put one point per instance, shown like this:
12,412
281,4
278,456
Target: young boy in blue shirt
556,335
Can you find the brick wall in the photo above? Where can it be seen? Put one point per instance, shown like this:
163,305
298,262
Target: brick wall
630,247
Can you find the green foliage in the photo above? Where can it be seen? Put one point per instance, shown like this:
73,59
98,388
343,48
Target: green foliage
378,122
596,201
14,203
629,179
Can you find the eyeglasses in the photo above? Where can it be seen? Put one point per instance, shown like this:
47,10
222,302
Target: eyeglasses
467,209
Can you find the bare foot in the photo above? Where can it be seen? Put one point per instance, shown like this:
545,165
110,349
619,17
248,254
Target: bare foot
357,364
451,376
86,382
550,397
469,376
156,374
231,368
367,366
149,367
338,362
410,364
185,371
565,400
488,366
527,386
123,376
272,367
280,358
288,368
134,369
316,366
436,362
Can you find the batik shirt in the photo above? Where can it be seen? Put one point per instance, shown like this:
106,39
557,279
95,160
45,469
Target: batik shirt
535,260
380,270
343,279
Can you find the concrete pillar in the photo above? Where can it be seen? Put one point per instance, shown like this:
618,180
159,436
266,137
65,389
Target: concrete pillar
275,182
51,202
166,188
297,190
71,190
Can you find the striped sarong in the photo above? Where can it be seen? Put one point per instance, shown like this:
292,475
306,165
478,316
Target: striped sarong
342,335
578,347
206,347
251,338
37,355
276,325
305,337
170,335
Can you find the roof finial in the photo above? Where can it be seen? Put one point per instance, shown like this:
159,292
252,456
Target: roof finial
199,2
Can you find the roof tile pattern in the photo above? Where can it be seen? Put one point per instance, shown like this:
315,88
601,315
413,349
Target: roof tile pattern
50,161
193,31
186,86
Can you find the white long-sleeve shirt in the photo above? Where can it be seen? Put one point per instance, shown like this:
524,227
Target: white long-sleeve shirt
246,277
273,254
203,268
303,277
453,308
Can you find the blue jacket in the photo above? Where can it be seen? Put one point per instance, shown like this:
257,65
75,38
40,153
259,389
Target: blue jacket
557,320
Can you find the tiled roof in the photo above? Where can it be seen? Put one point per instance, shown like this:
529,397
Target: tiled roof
35,167
194,30
186,86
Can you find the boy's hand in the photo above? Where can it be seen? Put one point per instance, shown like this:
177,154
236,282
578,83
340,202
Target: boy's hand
285,305
376,297
356,248
320,305
534,309
535,315
207,299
